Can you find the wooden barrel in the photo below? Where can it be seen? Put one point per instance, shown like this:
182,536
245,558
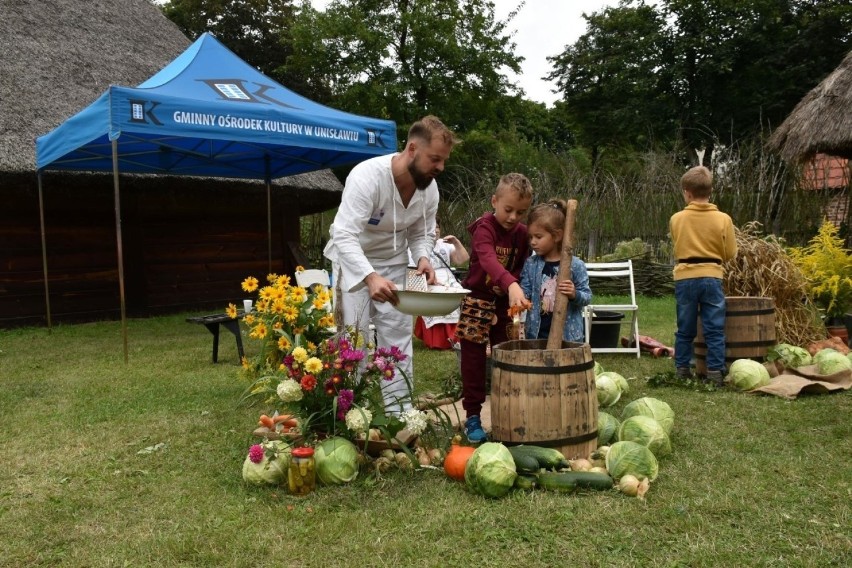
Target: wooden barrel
544,397
749,331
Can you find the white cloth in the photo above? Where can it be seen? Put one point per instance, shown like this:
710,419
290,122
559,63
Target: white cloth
373,229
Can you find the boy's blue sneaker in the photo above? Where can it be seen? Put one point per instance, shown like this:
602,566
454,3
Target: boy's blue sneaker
473,430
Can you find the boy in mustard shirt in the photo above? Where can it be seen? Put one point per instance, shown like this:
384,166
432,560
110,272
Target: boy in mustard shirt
703,239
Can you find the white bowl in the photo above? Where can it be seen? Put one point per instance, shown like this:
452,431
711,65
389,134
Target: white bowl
438,301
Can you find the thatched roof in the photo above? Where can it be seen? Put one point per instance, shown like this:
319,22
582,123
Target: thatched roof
822,121
57,56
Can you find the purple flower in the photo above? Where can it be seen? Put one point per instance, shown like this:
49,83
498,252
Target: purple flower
344,399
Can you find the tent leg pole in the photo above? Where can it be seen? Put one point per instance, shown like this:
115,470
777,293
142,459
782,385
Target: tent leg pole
119,245
44,254
268,215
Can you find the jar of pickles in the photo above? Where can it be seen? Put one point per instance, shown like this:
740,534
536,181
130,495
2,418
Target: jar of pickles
301,476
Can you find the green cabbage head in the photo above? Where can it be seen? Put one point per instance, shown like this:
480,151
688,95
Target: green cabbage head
646,431
833,362
631,458
653,408
607,390
607,428
490,471
822,353
619,380
272,469
336,461
791,356
746,374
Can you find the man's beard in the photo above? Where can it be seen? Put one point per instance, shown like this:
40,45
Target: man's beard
421,180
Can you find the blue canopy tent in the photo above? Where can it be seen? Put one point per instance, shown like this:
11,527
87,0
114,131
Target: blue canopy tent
207,113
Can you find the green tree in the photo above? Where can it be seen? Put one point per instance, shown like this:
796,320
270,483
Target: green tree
405,58
697,73
613,91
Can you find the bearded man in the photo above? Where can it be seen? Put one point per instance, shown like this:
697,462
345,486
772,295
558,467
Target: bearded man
388,206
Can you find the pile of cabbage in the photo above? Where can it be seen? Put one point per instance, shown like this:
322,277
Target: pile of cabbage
646,422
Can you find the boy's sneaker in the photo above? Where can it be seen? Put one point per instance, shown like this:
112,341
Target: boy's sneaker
473,430
684,373
715,378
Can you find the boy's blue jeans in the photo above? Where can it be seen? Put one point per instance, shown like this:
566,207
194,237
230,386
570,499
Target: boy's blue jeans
704,296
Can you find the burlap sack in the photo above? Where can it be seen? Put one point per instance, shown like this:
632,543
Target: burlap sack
790,383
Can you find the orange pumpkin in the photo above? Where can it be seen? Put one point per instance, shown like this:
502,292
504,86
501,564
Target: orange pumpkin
456,461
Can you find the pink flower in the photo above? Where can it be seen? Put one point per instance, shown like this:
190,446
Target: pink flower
256,453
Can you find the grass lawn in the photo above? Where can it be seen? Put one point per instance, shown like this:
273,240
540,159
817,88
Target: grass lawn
752,481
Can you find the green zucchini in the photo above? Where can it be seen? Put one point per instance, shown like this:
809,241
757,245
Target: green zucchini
525,481
524,462
571,480
548,458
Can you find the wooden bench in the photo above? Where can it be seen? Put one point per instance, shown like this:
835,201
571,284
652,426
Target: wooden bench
212,323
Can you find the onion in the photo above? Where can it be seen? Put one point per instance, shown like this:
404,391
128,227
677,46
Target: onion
422,456
403,461
629,485
644,485
436,456
375,435
580,465
599,470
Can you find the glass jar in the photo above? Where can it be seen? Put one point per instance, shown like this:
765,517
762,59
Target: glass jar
301,475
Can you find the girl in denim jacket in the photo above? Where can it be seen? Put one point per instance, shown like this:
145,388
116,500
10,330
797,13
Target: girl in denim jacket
539,276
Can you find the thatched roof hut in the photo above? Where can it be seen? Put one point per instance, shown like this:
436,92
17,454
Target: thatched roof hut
188,241
822,121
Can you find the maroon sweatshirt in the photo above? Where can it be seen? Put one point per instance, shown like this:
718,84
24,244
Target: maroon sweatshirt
492,249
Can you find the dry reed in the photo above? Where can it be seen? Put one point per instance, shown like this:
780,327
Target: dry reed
762,268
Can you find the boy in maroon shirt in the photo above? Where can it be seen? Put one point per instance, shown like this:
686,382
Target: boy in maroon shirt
499,247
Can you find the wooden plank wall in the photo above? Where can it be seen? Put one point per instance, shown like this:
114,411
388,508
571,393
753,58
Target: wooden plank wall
186,246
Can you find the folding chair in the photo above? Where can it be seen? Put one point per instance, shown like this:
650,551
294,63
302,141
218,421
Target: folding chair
624,272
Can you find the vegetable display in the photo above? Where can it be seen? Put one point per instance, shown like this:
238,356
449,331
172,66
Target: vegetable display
491,470
630,458
652,407
746,375
336,461
646,431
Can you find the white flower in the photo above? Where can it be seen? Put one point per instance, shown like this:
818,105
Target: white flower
358,419
289,390
415,421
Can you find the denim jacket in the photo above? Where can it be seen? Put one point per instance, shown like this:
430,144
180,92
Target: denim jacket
531,279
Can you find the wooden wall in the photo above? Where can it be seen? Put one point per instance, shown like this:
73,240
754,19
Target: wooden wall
187,245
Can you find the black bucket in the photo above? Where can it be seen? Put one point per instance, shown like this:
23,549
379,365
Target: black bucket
608,332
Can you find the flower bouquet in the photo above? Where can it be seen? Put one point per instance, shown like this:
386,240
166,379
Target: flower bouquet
330,382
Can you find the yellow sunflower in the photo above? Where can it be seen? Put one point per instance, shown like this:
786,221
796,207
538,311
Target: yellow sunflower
284,344
231,310
259,331
250,284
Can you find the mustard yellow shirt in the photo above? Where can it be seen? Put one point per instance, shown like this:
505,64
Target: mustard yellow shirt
700,230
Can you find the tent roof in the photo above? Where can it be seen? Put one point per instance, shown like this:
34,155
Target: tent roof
822,121
208,113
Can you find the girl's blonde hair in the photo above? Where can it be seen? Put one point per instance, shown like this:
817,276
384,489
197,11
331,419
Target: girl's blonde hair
550,216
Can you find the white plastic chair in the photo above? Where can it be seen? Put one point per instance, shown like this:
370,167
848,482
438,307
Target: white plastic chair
624,272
